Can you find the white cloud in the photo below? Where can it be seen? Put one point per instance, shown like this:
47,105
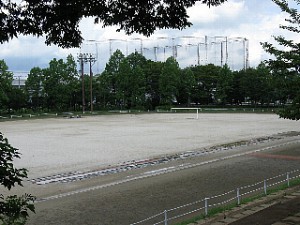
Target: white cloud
202,14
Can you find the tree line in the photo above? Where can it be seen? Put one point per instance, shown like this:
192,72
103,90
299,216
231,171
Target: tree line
134,82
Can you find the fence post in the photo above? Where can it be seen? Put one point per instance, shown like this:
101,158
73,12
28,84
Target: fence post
238,196
206,206
288,178
265,187
166,217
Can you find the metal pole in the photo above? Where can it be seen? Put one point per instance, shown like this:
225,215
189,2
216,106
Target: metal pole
238,196
265,187
226,47
91,83
288,179
244,51
81,60
206,206
110,47
141,46
221,54
166,217
247,53
155,54
198,53
82,77
206,50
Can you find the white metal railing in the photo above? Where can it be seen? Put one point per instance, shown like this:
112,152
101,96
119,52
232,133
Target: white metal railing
233,196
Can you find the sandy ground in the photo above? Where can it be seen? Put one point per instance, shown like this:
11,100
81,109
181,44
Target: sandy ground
62,145
53,146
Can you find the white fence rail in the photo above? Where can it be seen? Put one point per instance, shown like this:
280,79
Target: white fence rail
202,207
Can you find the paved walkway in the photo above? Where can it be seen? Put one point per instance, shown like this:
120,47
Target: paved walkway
281,208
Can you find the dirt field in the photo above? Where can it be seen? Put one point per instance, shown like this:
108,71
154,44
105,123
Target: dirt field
57,146
63,145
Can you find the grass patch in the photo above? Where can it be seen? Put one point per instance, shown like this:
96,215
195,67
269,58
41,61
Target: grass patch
192,220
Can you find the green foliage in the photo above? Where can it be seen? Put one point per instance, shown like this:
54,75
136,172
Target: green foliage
252,85
135,82
123,81
17,98
54,87
206,83
59,83
224,85
34,87
186,85
292,111
6,78
108,80
286,63
61,26
152,72
13,209
8,174
169,81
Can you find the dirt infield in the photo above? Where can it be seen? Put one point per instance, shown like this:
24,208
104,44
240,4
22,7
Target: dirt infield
65,145
51,146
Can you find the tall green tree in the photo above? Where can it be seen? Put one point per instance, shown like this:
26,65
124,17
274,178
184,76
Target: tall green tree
286,60
127,78
17,98
186,86
268,92
206,83
6,79
235,95
60,80
123,84
103,90
152,72
137,81
253,85
107,81
169,81
34,88
224,85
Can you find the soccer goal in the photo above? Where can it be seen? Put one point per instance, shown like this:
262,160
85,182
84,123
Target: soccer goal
197,110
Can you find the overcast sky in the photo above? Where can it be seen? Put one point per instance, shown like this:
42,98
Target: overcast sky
256,20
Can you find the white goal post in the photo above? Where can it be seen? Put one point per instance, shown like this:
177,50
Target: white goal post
197,109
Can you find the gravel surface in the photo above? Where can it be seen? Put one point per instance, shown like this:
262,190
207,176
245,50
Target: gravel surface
52,146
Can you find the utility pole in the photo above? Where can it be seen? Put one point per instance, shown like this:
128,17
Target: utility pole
91,59
81,60
84,58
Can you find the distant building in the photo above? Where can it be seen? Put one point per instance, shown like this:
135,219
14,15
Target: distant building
19,82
